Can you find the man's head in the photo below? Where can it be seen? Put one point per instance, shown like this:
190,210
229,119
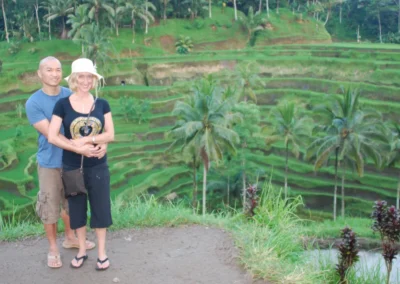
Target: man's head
50,72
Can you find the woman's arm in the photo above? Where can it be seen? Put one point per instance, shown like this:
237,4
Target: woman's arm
55,139
103,138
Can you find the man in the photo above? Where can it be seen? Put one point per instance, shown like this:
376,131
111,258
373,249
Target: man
39,109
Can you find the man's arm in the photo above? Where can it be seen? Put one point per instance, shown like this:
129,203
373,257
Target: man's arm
43,127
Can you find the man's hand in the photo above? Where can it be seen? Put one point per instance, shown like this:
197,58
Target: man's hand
87,150
100,151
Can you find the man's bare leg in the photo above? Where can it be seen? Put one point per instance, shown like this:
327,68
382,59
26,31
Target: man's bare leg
69,233
51,233
71,241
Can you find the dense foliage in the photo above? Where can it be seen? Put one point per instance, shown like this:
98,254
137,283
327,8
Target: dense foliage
373,20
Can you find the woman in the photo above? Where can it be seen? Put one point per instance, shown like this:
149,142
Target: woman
72,113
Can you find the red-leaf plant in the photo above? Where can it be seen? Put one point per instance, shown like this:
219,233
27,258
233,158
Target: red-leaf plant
387,223
348,253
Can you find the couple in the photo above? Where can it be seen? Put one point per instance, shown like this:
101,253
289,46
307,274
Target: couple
59,115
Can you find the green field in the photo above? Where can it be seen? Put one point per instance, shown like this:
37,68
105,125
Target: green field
306,72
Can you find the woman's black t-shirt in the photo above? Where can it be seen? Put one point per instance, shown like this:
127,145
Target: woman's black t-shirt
74,124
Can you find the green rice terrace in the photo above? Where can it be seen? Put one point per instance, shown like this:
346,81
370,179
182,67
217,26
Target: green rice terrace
295,62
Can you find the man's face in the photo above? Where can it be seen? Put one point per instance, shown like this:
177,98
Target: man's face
50,73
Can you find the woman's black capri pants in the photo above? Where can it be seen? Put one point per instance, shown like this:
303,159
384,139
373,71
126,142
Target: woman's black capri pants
97,182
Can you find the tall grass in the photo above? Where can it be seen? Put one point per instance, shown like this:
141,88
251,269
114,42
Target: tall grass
271,240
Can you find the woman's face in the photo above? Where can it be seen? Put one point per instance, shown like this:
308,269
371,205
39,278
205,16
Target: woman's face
85,81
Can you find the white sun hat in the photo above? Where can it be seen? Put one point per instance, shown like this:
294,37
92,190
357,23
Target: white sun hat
84,65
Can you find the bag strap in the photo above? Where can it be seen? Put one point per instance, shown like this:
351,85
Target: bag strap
86,127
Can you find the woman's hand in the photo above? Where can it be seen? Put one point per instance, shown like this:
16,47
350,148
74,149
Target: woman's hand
79,142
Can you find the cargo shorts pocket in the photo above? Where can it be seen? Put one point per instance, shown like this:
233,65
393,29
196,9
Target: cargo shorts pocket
41,209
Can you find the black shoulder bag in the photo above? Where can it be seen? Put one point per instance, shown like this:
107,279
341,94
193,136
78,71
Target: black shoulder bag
73,181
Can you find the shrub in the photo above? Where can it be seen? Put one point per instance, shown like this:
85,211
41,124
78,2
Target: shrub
14,48
198,24
348,253
183,45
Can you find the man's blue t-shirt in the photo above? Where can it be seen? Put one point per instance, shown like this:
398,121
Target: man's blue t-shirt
39,107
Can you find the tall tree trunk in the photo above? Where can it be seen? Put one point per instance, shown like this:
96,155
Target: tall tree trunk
116,28
228,190
398,193
286,168
398,16
194,199
244,188
5,21
96,15
277,6
49,30
209,9
327,17
37,17
267,7
204,188
165,11
64,32
244,175
380,27
343,178
133,27
340,13
235,9
336,181
147,20
49,25
260,6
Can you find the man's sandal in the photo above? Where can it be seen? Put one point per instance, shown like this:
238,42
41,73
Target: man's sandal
54,261
101,262
89,245
83,258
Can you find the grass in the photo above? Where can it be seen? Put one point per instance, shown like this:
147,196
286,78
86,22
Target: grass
331,229
270,242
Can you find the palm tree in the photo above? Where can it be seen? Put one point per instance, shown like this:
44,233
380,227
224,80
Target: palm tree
204,124
235,9
96,42
5,19
119,9
149,5
353,135
36,6
165,3
195,6
290,128
59,9
248,78
78,21
209,9
322,148
139,10
252,23
95,6
246,129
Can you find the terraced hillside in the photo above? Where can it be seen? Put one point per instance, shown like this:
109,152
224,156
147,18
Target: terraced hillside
138,161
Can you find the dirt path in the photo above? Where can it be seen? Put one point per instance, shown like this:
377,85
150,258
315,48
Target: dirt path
190,254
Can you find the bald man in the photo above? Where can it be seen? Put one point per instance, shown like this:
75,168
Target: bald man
51,203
